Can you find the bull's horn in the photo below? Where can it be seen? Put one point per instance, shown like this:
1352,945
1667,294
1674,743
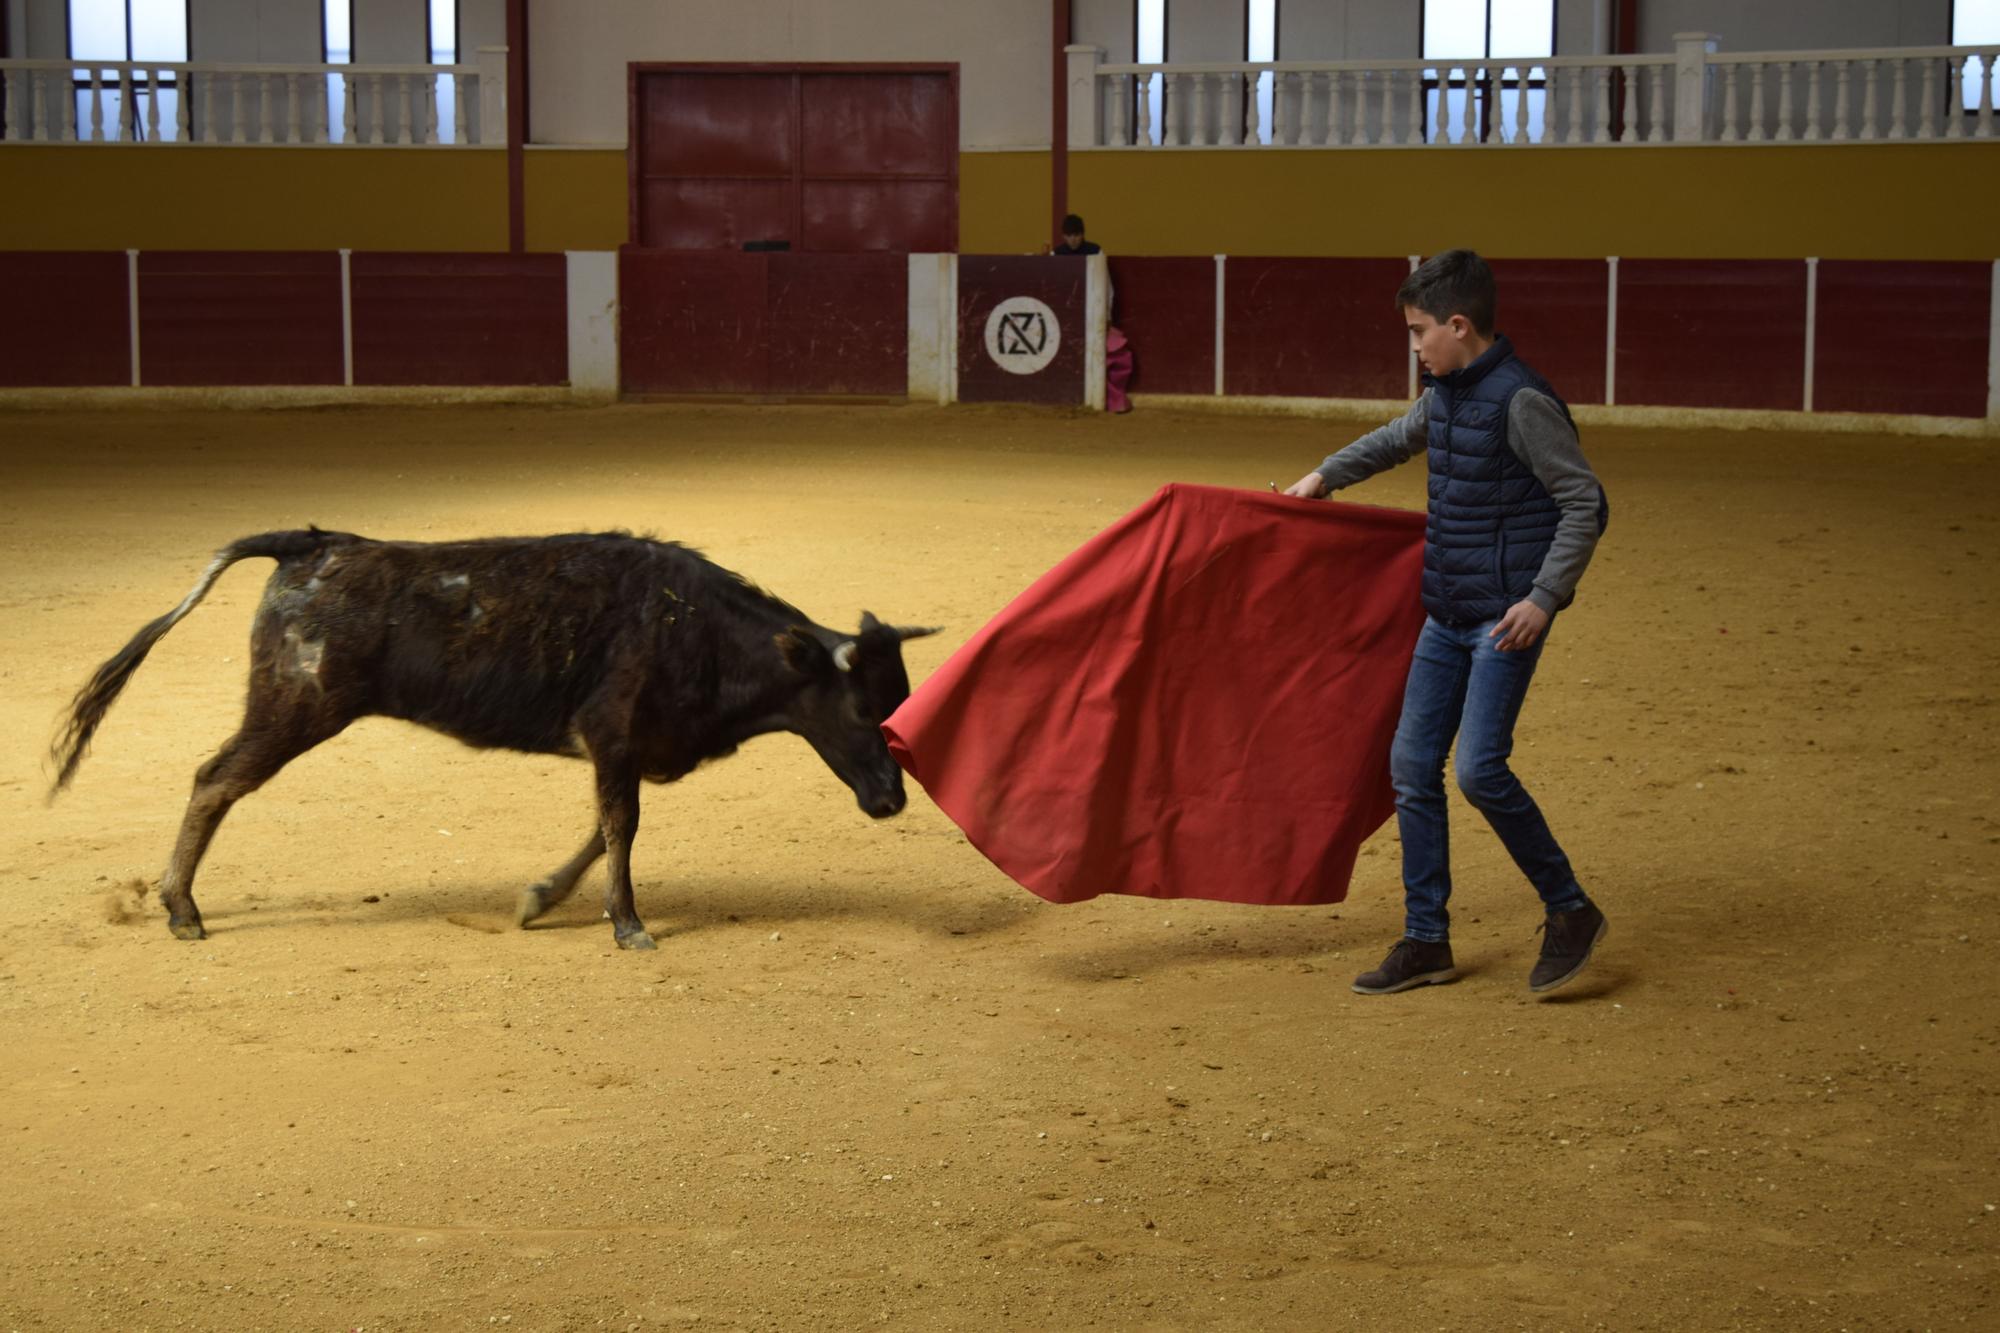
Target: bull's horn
843,655
917,631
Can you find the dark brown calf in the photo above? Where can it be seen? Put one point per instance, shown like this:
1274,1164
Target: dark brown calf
640,656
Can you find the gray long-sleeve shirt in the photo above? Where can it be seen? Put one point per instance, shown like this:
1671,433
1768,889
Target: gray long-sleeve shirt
1543,439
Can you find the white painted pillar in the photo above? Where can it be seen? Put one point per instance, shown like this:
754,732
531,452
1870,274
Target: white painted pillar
1221,317
1691,53
347,318
933,329
593,324
1096,320
492,62
1086,108
132,308
1611,331
1812,325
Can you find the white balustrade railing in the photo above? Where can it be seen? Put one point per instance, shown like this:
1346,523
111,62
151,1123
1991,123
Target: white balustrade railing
1694,95
75,101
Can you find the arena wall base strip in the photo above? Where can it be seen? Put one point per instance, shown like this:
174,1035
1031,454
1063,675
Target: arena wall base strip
260,396
1375,411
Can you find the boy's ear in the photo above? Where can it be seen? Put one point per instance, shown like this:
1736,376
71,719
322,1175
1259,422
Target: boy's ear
1460,326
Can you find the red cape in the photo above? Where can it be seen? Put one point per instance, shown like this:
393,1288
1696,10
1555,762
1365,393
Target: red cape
1197,703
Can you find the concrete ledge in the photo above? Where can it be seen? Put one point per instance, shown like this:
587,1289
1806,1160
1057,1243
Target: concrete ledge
1672,418
269,396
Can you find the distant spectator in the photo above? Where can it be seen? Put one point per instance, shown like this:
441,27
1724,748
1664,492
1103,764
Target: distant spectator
1117,349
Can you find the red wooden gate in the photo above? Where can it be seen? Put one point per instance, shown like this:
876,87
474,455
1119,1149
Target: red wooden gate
824,158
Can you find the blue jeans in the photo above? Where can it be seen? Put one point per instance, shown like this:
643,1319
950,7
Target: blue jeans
1460,684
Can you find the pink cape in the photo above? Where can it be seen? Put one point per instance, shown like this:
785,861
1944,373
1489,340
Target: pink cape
1196,703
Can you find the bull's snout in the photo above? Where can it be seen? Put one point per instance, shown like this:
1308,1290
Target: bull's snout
884,804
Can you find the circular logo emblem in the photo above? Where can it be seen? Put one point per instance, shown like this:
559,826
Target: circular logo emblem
1022,335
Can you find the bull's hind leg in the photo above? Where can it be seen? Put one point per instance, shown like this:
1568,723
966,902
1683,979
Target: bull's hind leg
618,816
545,893
246,762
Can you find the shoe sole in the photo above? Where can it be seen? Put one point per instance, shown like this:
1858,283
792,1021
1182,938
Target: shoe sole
1422,979
1603,929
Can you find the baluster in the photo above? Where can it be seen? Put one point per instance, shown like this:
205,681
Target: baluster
1388,107
350,111
1927,126
1359,134
1230,89
407,85
97,107
1657,100
1954,105
266,132
1869,108
1628,132
378,131
461,128
293,97
1840,100
1575,105
1785,101
1899,124
1986,96
1118,113
1729,103
208,131
1333,131
1170,105
1812,100
1601,76
1289,98
1197,135
1756,131
183,111
1416,108
1144,86
153,104
71,133
127,128
430,109
236,108
10,125
1465,118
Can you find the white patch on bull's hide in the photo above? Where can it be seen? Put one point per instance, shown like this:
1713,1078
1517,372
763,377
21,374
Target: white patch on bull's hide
476,613
326,564
451,582
307,654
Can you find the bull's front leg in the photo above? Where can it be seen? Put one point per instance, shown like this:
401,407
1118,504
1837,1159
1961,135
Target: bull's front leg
618,817
545,893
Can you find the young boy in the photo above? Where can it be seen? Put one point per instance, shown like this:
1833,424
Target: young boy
1515,513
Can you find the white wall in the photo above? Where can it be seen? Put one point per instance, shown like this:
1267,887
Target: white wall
1794,25
252,31
390,32
578,54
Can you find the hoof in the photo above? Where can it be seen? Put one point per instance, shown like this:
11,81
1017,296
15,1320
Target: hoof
530,905
187,930
637,939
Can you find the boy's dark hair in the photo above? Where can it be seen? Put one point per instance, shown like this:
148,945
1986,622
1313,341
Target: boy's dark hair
1457,282
1072,225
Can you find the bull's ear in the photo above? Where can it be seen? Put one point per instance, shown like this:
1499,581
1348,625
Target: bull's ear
868,621
803,652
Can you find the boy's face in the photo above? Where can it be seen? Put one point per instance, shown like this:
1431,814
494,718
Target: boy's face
1442,348
1072,239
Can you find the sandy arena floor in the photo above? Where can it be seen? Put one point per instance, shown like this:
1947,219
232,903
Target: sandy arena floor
866,1081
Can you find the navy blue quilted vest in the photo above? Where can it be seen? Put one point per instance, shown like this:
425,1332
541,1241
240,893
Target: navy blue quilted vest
1491,520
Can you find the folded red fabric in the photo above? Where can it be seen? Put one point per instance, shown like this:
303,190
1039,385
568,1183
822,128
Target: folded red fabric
1196,703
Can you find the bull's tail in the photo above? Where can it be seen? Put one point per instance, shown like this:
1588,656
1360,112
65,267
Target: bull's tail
94,700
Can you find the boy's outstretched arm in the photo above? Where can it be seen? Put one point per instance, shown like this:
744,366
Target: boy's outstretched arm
1377,451
1543,439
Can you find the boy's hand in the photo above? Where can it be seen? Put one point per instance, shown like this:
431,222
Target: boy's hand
1520,627
1309,487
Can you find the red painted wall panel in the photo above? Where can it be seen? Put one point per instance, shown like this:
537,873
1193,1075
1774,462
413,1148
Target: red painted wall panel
1166,307
65,320
1902,337
692,323
1554,312
838,324
469,319
220,318
984,281
1712,332
1314,328
734,124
